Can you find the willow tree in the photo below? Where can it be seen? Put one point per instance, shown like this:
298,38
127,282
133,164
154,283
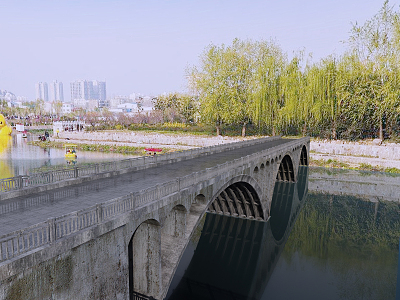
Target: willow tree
330,103
294,103
222,84
208,81
237,67
176,107
269,62
376,44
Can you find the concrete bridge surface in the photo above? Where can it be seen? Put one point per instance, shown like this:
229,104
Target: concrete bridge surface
109,235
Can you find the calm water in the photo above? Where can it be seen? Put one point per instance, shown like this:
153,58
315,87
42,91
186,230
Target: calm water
19,158
316,245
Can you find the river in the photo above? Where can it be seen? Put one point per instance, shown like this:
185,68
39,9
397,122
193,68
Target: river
17,157
335,240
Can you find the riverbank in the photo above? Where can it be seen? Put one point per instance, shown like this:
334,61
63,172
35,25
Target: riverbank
149,139
365,155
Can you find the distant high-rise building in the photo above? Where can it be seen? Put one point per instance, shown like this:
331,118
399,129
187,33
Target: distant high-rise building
56,90
81,89
42,91
99,91
89,90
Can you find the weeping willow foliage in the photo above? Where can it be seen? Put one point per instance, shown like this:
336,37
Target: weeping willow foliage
355,95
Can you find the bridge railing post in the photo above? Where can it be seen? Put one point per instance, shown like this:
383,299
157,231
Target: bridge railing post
99,213
133,201
51,223
76,172
20,182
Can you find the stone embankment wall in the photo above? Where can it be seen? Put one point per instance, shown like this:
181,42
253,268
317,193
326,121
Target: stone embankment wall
383,151
372,186
149,139
385,155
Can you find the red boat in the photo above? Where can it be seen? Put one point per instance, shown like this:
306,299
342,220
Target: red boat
152,151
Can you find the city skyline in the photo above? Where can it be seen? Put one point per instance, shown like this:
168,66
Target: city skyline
146,47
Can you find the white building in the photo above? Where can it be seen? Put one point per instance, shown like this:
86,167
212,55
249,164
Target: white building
66,108
86,104
48,107
42,91
56,91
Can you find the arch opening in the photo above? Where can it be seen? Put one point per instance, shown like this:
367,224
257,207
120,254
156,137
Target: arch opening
286,170
200,198
144,254
239,199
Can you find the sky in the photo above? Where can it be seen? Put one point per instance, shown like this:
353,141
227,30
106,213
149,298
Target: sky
146,46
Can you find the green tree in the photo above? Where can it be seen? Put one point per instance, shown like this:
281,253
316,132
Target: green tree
268,65
376,44
209,81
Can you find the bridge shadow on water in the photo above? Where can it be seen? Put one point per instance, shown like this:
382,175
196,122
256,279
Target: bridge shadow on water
234,258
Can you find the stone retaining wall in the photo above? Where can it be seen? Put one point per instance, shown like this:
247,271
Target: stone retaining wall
384,151
150,138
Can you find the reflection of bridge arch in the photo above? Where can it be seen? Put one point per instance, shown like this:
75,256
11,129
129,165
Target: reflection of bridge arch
302,182
304,156
281,208
239,197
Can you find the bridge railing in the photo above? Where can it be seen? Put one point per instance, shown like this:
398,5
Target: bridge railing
9,184
74,222
22,241
35,179
42,234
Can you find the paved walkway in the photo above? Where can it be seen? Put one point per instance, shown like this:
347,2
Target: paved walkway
22,212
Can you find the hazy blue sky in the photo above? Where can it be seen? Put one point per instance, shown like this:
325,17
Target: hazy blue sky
145,46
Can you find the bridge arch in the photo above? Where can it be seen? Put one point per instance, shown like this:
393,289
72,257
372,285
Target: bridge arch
286,169
144,253
240,196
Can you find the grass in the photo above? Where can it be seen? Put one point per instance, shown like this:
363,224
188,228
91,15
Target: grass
330,163
333,163
98,148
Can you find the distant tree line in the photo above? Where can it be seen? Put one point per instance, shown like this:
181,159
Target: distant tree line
351,96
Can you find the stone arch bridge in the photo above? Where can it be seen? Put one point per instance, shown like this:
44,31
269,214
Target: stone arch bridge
124,230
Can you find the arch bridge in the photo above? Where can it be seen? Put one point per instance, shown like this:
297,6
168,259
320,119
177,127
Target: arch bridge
123,232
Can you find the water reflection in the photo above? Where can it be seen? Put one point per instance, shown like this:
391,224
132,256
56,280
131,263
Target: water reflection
17,157
235,257
5,141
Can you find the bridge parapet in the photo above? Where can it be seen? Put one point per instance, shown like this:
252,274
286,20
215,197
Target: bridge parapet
9,187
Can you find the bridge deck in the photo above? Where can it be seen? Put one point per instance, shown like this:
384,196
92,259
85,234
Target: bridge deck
22,212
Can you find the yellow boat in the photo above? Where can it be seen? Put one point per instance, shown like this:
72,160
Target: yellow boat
70,151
